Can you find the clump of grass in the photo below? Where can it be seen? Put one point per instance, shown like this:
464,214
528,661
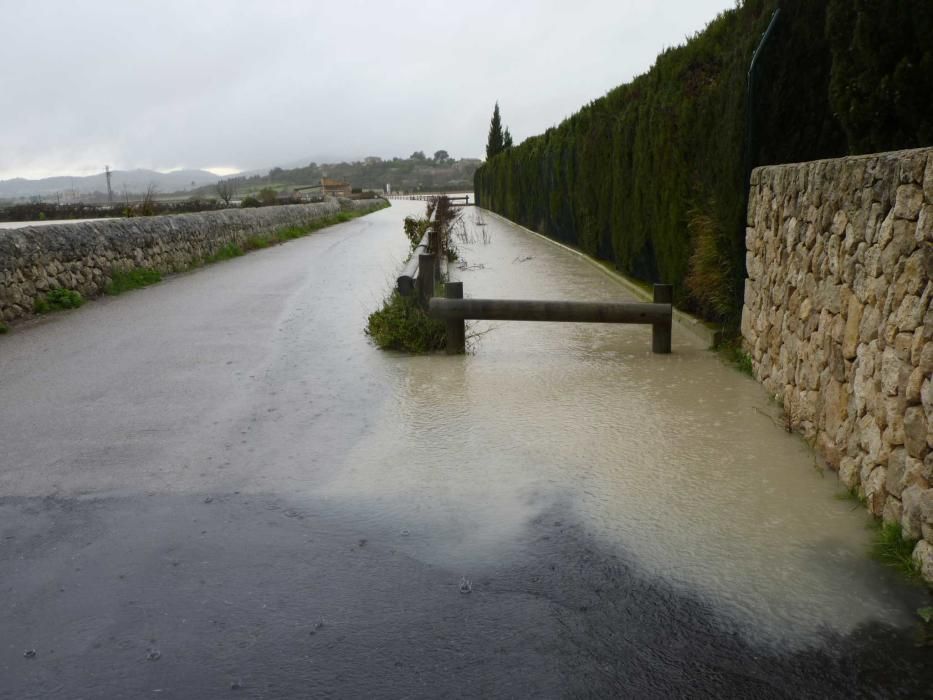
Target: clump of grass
3,328
231,250
850,495
892,549
731,351
125,280
57,300
402,325
257,242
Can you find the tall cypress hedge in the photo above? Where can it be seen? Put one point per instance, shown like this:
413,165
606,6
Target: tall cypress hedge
652,175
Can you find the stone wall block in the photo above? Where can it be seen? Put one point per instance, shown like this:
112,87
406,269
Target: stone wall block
911,165
925,358
849,472
923,555
902,243
916,501
924,232
915,431
908,201
851,334
912,393
893,510
874,491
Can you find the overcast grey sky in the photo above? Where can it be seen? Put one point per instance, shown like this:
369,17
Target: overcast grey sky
241,84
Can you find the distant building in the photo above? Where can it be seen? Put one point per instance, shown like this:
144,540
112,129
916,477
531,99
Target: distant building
335,188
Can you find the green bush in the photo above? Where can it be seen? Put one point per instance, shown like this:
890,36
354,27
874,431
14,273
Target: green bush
621,178
57,300
249,202
402,325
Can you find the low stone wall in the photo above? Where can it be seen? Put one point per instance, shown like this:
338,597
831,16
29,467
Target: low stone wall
82,256
838,323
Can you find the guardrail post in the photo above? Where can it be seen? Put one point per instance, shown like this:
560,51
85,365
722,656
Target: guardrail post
456,327
661,332
425,278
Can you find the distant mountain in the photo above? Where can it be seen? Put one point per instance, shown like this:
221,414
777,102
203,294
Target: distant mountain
133,181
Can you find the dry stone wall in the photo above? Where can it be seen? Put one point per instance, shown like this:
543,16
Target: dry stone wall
82,256
838,323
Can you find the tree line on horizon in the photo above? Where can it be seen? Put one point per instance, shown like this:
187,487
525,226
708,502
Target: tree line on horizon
417,172
653,176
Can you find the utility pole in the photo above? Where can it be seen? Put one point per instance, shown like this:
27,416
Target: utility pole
109,188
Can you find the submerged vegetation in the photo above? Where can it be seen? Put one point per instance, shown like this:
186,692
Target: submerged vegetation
401,324
892,549
653,176
731,351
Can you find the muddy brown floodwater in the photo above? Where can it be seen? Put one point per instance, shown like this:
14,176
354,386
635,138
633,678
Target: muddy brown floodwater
216,487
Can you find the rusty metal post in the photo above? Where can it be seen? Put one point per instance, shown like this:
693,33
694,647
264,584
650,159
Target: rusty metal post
425,279
661,332
456,327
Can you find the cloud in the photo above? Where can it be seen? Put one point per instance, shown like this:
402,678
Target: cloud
178,84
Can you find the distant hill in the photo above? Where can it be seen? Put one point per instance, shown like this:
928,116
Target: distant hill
402,174
134,181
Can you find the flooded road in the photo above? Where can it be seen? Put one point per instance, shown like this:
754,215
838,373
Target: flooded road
217,486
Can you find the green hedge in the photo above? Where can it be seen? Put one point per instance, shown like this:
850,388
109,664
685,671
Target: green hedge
655,170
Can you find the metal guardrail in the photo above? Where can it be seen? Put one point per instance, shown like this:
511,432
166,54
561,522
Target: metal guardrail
423,269
455,311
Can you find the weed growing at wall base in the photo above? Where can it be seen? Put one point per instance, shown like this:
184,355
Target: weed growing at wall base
730,350
57,300
123,281
3,328
893,550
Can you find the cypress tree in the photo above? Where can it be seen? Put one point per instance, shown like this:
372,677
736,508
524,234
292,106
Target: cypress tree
506,139
496,141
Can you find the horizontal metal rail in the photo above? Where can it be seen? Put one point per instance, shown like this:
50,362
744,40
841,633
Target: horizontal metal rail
406,280
559,311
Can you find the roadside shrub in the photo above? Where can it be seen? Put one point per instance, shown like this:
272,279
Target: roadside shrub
249,202
57,300
402,325
415,229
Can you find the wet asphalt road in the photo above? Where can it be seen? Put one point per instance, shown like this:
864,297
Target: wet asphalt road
165,530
